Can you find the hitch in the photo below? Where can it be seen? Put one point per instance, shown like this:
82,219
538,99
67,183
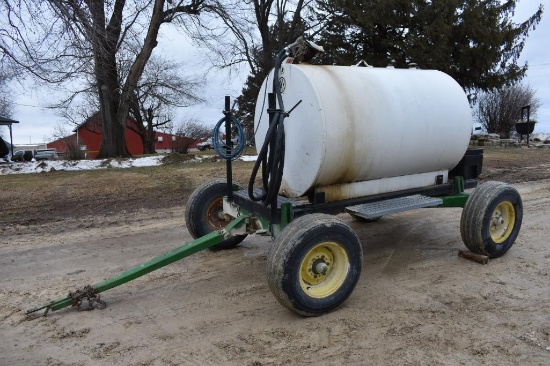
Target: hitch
91,292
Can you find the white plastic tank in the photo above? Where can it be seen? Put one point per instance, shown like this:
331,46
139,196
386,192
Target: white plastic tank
362,130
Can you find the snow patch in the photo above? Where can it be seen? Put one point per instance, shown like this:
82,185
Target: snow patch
76,165
248,157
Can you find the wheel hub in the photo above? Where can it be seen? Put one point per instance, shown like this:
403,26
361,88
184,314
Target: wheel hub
320,268
324,269
502,222
214,215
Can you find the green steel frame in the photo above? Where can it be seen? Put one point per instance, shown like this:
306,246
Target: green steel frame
172,256
457,199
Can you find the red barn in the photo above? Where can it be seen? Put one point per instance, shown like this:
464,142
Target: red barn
88,137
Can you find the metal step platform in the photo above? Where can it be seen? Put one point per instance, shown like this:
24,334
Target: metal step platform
393,205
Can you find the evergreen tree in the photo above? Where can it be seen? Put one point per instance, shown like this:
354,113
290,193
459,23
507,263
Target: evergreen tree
474,41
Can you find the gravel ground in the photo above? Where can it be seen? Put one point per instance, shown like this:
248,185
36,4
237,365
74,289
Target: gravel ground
416,302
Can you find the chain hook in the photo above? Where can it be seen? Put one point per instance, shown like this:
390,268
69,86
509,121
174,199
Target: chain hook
87,293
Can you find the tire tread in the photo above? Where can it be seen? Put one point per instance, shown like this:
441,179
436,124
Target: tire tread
281,251
474,216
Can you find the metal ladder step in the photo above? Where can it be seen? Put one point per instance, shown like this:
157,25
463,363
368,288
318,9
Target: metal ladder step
393,205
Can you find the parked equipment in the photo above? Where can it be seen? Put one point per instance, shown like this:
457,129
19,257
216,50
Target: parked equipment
366,141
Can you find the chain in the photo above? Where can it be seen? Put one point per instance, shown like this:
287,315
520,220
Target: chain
87,293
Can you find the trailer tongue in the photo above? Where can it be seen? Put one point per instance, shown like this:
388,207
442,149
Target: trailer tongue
90,293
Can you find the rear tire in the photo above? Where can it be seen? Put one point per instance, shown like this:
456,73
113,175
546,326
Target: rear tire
204,213
314,264
491,219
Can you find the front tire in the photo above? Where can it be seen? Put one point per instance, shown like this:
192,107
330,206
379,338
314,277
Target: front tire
491,219
204,213
314,264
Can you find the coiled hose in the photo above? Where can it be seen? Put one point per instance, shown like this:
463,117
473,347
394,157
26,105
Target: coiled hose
233,151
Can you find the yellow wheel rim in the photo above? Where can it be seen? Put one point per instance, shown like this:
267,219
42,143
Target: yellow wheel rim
214,215
502,222
324,269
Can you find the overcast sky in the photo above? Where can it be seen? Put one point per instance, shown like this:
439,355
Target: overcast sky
37,123
537,54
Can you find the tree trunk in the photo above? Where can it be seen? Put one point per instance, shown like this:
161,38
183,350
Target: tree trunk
104,39
139,128
150,142
115,99
113,137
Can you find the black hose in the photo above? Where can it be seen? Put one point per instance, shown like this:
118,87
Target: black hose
272,154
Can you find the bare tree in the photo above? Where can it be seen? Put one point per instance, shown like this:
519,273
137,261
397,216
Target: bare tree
74,149
58,41
499,110
6,106
187,133
252,33
77,112
161,89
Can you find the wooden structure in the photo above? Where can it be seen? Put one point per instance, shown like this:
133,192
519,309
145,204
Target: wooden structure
4,121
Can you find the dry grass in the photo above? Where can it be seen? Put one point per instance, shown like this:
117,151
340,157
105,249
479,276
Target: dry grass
514,165
34,198
60,195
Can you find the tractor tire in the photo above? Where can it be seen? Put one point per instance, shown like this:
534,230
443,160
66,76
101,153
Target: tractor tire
491,219
204,213
314,264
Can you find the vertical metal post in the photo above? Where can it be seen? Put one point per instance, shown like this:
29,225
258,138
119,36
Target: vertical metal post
528,127
228,167
11,140
271,107
528,109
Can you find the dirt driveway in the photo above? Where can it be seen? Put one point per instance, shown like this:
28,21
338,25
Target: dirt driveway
416,302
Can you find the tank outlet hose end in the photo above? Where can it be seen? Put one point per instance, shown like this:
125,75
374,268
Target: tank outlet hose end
236,148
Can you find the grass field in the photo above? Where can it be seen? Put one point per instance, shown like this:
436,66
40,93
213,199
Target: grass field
61,195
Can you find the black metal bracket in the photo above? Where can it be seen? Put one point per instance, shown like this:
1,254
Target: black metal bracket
228,166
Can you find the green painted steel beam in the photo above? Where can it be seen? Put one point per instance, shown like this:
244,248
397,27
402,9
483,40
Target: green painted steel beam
456,200
163,260
459,198
287,214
